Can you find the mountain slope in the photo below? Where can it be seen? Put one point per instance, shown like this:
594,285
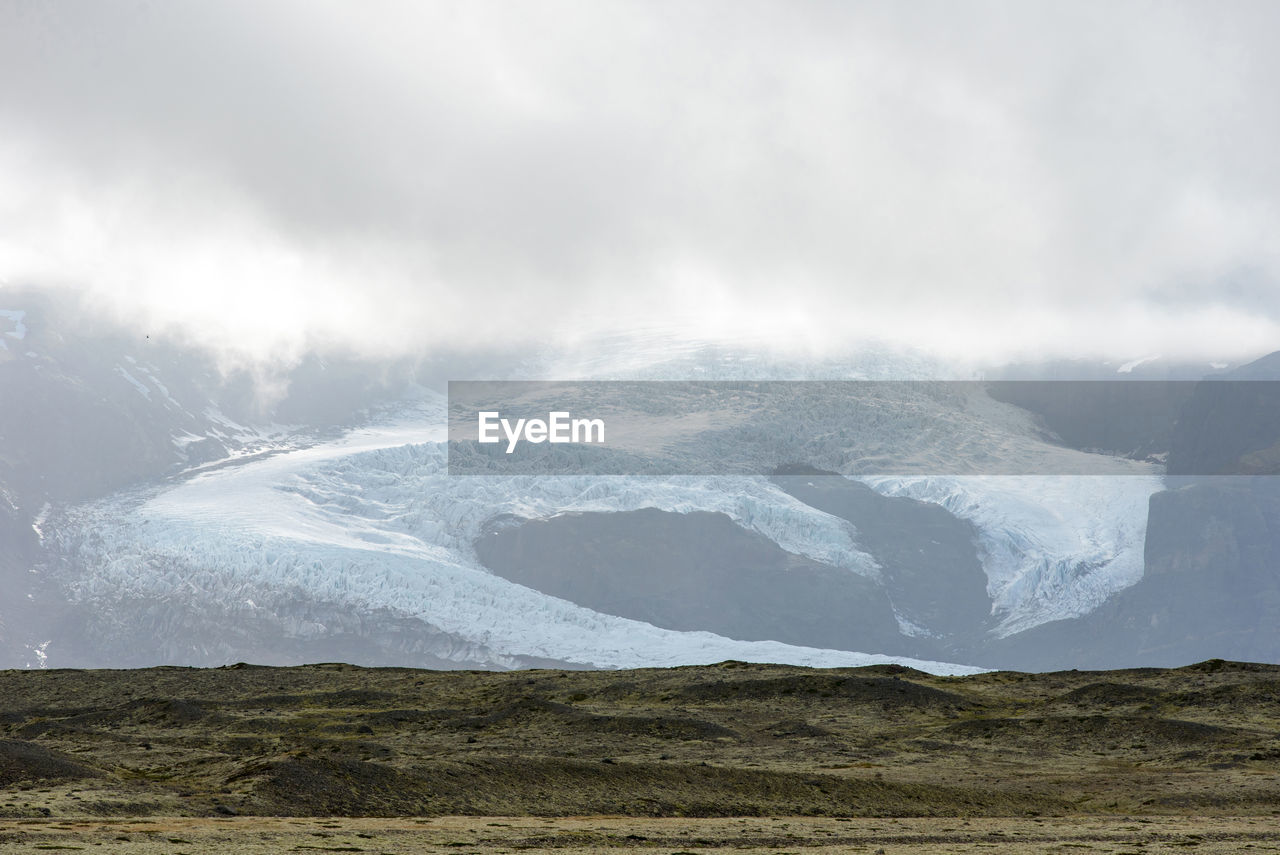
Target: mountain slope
153,509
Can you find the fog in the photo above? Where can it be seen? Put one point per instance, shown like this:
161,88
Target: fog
990,180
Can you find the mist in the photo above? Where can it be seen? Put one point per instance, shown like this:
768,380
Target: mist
987,180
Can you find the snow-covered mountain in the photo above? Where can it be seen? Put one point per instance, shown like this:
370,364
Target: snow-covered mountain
325,524
374,521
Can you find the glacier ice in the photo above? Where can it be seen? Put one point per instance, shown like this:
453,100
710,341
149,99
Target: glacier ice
1053,547
373,520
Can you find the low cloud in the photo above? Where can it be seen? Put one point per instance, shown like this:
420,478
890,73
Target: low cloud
985,179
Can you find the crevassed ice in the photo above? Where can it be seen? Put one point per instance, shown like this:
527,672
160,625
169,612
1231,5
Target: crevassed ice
380,525
373,520
1053,547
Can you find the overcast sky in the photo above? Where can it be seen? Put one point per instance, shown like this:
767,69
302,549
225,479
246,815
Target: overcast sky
988,179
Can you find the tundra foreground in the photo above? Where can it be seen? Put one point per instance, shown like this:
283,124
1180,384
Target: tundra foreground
734,755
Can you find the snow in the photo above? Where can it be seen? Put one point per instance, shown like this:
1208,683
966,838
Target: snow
37,524
41,652
1128,367
185,438
373,521
15,317
244,442
1052,547
135,382
148,372
911,629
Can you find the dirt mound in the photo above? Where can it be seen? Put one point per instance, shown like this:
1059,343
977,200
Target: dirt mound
1240,696
26,761
548,787
890,692
345,698
160,711
1091,732
140,712
795,728
398,718
1097,695
561,719
1218,666
656,726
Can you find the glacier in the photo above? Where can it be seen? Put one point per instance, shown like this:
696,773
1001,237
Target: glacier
1053,547
372,520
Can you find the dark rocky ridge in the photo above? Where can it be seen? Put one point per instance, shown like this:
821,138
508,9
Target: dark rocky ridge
1129,418
695,571
1210,584
932,573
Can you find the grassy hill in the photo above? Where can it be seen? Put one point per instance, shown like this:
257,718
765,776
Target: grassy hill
733,739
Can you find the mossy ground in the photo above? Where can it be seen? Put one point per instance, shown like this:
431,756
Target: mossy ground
729,740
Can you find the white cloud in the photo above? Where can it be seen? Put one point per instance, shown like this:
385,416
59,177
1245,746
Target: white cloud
987,179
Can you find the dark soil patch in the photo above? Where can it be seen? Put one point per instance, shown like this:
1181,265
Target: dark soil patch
26,761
